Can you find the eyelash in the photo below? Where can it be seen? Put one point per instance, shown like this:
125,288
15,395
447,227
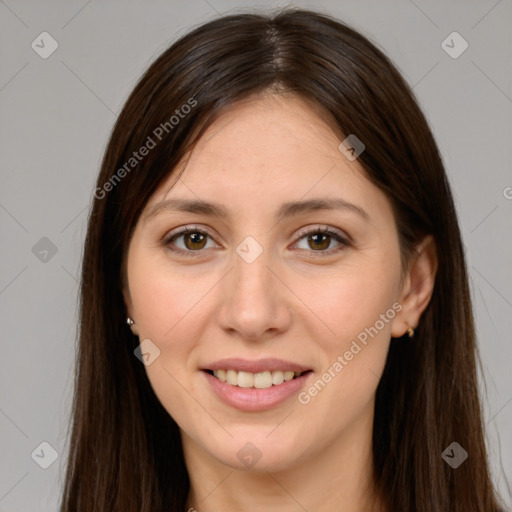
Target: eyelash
344,242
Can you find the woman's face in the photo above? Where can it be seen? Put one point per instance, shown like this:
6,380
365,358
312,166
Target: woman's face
259,288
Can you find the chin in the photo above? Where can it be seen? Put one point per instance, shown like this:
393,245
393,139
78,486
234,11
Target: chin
258,453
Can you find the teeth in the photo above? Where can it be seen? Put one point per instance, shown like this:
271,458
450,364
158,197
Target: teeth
231,377
277,377
261,380
245,380
288,375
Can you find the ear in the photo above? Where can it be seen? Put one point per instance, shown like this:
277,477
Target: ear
129,307
417,288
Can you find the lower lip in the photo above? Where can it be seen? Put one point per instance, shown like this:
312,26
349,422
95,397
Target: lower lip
253,399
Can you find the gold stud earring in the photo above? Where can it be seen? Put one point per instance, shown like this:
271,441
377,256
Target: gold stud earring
410,332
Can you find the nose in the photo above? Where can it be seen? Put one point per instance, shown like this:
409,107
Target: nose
254,301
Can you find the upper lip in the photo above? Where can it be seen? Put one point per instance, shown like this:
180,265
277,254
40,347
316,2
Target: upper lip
261,365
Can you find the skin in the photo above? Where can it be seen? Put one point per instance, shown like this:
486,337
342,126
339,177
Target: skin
289,303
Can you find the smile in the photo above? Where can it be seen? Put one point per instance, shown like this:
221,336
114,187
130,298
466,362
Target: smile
240,389
260,380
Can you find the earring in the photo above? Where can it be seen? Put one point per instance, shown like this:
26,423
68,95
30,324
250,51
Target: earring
129,321
410,332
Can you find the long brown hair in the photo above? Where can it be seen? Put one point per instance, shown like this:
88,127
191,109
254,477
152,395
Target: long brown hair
125,451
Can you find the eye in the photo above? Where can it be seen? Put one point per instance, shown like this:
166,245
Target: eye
320,239
193,240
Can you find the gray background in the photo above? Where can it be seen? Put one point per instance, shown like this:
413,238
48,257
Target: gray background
56,115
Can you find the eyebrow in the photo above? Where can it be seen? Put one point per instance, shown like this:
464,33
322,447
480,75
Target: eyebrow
289,209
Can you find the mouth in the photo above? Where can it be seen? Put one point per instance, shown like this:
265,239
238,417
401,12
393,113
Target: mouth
259,380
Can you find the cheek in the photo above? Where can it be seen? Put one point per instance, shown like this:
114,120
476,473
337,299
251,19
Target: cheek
163,299
169,308
359,309
169,382
351,303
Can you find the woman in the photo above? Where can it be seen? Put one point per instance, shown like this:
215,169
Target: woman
275,311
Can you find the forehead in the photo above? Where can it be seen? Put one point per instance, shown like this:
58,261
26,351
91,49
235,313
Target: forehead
271,124
265,135
268,150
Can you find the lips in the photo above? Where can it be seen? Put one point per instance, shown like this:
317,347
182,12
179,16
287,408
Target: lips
253,391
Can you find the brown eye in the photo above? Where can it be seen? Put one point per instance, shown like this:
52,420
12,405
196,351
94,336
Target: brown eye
319,241
194,240
188,241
